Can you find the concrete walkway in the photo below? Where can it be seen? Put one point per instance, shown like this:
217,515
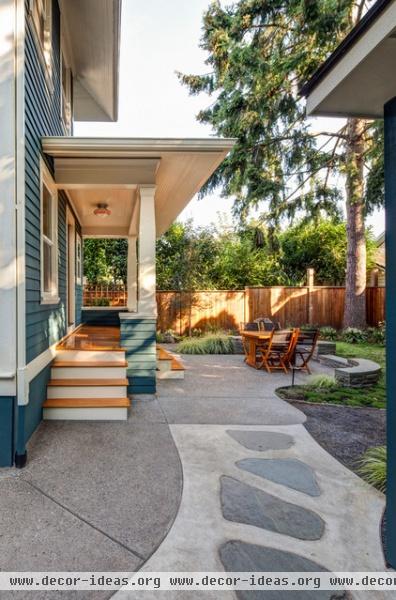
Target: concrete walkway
255,480
256,487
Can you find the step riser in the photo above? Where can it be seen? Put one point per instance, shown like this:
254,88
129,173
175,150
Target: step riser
170,374
164,365
88,355
88,372
108,391
85,414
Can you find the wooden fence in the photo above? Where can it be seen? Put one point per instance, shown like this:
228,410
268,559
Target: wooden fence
104,295
226,309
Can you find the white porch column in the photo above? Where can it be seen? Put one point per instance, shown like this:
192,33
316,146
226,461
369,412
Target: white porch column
132,274
147,304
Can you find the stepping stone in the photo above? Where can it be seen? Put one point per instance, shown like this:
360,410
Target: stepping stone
244,503
287,471
239,556
261,440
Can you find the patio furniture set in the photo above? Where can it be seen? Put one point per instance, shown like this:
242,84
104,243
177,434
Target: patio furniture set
267,346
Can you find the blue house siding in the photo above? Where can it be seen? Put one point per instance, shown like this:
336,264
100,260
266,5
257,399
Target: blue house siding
45,324
33,412
138,339
7,418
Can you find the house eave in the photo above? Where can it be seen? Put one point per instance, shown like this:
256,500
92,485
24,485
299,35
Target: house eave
131,147
92,35
358,78
181,168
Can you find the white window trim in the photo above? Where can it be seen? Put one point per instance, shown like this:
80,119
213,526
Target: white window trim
79,261
44,50
66,114
46,179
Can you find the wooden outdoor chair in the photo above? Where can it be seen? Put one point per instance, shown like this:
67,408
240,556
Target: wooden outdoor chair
265,324
305,347
279,352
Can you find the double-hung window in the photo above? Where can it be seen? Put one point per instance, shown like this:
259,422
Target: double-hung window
49,239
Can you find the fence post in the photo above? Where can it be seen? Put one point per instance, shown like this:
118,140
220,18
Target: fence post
246,307
310,284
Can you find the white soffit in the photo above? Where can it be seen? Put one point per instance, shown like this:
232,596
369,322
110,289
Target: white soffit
182,166
363,80
91,29
122,220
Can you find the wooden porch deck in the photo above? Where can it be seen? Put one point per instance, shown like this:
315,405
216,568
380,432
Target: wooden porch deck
92,337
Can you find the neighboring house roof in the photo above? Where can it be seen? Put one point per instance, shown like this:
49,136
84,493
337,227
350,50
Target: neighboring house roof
357,79
94,170
380,252
91,31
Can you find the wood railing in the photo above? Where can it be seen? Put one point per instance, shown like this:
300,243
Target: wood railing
104,295
226,309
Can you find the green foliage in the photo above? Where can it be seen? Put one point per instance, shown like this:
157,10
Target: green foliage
258,53
328,333
207,344
192,258
322,381
105,260
320,245
100,302
377,335
374,396
352,335
372,467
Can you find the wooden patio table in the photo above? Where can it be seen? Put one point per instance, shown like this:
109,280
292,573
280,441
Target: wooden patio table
254,338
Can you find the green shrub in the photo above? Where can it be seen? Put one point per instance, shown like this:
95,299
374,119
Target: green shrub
328,333
160,337
101,302
167,337
373,467
377,335
353,335
207,344
322,382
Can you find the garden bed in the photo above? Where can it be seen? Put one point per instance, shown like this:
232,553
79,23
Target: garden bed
345,432
345,421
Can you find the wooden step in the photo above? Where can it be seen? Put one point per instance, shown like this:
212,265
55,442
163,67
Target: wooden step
91,355
86,402
163,354
89,363
176,365
87,382
168,366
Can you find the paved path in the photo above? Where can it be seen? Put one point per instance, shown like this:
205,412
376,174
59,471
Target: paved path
257,485
257,489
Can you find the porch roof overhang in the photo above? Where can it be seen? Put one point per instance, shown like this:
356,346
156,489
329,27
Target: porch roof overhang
96,169
359,77
91,34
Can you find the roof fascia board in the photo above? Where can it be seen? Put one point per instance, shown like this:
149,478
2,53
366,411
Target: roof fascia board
130,147
381,28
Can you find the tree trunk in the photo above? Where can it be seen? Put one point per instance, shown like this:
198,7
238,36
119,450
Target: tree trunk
355,283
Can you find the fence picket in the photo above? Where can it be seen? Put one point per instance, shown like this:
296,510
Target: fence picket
226,309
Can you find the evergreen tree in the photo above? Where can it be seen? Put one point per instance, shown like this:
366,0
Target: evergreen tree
259,51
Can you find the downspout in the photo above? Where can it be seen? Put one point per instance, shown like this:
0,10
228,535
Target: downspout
22,384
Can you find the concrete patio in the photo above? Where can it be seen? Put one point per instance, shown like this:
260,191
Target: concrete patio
214,468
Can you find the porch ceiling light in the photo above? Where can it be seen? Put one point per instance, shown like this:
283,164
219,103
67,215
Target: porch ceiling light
102,210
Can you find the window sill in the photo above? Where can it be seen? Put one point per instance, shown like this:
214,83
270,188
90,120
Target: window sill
50,300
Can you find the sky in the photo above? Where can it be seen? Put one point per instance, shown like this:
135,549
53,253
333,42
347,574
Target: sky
157,39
